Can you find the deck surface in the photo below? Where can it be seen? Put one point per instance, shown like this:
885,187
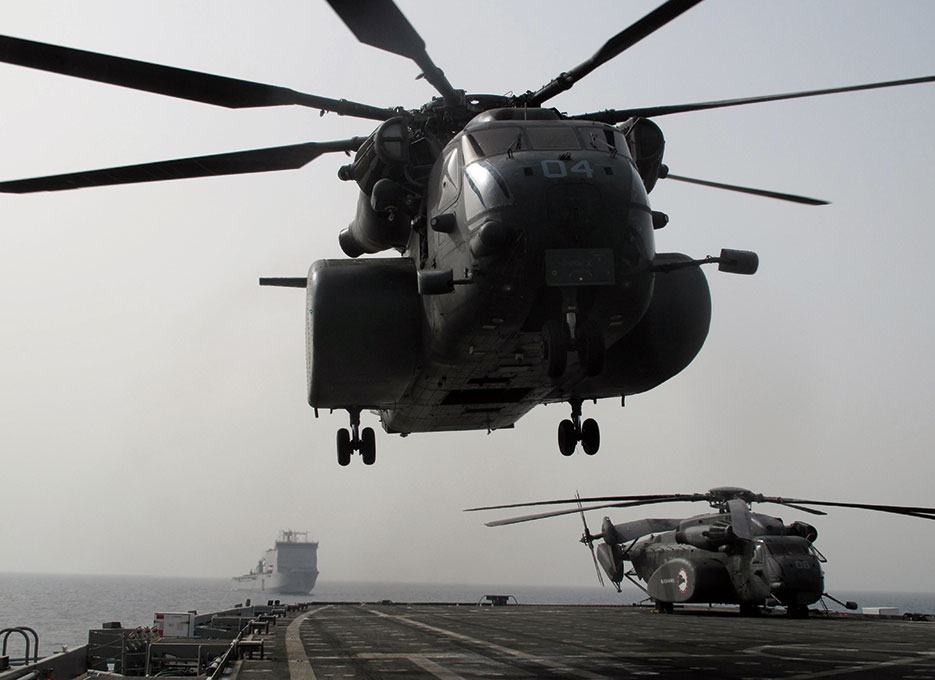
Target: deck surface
543,641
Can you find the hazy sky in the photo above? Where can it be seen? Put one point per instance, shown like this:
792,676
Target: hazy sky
152,397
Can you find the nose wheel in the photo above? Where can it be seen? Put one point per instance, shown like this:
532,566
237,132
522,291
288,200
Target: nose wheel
356,439
572,430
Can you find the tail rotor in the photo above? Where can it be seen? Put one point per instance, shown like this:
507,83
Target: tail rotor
588,540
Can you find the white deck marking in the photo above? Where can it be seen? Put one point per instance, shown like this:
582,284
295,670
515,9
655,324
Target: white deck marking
435,669
299,666
529,658
864,667
301,669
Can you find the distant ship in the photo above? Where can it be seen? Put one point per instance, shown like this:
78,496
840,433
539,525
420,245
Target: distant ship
289,567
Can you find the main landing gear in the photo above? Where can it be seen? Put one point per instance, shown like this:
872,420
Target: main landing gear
572,332
797,611
664,607
557,342
571,431
356,439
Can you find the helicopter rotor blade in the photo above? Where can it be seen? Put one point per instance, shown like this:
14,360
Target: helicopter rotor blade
747,190
912,511
170,81
740,516
289,157
740,519
803,508
284,281
648,498
588,540
737,506
620,115
569,511
546,515
381,24
625,39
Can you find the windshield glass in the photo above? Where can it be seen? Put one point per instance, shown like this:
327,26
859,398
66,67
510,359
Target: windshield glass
492,141
507,139
786,545
602,138
485,188
550,137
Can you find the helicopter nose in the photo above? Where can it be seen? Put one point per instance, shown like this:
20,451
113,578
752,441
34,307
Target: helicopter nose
491,238
797,579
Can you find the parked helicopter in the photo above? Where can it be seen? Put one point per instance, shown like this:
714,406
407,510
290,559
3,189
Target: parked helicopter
731,556
528,274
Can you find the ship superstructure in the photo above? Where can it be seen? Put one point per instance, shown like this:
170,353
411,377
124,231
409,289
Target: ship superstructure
290,566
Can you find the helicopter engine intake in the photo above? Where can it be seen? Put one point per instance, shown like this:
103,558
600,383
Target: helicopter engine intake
705,536
372,231
647,145
803,529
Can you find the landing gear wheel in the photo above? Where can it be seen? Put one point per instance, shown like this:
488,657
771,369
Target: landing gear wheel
368,446
664,607
590,436
555,347
567,437
797,611
748,609
344,446
590,343
572,430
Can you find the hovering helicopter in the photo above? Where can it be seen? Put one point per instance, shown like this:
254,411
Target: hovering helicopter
730,556
528,274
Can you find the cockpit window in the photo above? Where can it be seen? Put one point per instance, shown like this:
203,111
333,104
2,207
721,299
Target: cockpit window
602,138
500,140
485,188
786,545
491,142
621,141
553,137
451,181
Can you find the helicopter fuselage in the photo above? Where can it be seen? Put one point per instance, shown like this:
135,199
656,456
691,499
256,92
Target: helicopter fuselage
542,230
700,562
540,233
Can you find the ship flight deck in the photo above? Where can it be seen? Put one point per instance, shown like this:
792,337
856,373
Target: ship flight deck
385,640
319,640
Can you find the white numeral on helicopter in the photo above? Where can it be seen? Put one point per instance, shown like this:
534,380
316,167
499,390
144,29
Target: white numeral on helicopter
556,169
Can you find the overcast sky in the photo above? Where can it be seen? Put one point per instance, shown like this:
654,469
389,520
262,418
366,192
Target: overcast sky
152,397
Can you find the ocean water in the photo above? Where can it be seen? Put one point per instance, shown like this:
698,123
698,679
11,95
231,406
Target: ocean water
61,608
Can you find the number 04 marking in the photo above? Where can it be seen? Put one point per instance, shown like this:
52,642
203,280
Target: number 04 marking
555,169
